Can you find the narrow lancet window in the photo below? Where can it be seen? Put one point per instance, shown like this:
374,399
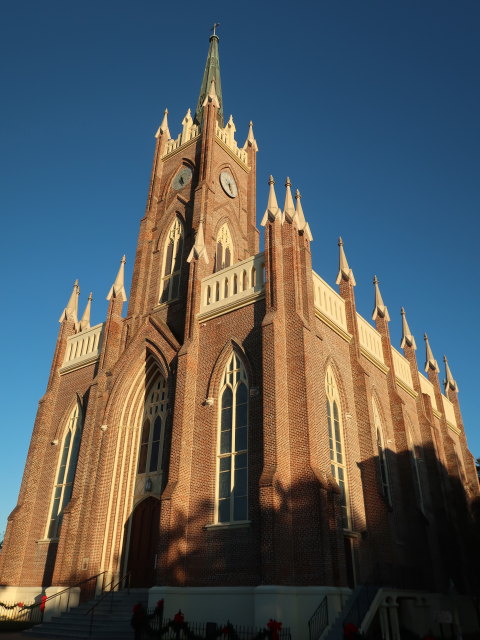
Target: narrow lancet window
172,262
153,427
65,476
232,452
382,456
224,253
335,439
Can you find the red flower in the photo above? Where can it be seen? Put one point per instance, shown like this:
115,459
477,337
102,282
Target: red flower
20,605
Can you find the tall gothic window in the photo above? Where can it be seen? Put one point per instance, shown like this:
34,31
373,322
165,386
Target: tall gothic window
335,440
232,448
416,458
172,261
153,427
224,252
62,491
382,456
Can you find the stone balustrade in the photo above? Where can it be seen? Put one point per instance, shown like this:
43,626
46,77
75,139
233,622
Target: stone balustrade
370,339
402,370
234,286
83,348
226,136
184,137
329,303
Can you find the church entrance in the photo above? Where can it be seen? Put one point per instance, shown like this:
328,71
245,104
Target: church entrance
144,537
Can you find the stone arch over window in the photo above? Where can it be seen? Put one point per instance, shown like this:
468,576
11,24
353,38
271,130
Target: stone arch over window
224,248
152,438
65,473
336,443
172,261
231,503
382,455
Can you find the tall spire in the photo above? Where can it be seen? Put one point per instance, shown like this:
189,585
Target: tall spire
449,380
430,362
407,336
71,310
344,271
85,321
118,289
380,309
212,72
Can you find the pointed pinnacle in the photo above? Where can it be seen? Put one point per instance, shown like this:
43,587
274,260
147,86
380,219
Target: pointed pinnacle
407,336
380,309
71,310
199,249
449,380
85,321
344,271
430,362
288,207
250,138
212,96
301,222
272,209
118,289
163,128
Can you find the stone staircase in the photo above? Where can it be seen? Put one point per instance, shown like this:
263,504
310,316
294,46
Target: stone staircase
111,619
354,610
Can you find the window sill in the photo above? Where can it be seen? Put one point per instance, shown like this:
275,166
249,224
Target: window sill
241,524
46,540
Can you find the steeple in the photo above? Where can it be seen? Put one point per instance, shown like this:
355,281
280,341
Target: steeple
85,321
430,362
407,336
449,381
380,309
71,310
272,210
344,271
212,72
118,289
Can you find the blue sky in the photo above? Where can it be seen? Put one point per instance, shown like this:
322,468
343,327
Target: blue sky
371,108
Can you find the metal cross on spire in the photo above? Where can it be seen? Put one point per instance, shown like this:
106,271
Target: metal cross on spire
215,25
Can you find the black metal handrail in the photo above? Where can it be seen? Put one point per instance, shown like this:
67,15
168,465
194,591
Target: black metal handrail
106,593
319,620
69,590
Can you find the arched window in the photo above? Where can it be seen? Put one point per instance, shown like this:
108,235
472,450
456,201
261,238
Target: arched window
232,448
62,491
382,457
172,261
335,440
153,427
224,253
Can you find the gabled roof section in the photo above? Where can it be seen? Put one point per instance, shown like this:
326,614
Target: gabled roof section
212,72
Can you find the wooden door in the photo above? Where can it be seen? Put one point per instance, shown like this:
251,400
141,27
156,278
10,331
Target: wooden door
144,537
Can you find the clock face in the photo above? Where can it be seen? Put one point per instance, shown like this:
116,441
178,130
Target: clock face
228,184
182,178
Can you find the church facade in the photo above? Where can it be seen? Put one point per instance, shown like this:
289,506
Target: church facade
241,431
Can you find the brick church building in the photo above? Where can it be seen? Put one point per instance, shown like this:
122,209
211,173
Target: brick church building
239,439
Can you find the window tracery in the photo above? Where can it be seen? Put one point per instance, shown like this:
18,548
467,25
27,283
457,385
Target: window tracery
224,251
382,457
153,427
172,261
336,444
232,447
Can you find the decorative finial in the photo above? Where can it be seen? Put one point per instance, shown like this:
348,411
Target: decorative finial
449,381
300,217
118,289
344,271
407,336
250,138
212,96
163,128
272,209
199,249
430,362
214,28
71,310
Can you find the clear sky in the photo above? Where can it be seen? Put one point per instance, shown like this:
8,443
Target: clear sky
371,107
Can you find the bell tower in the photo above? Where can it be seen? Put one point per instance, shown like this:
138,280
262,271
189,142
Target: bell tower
200,207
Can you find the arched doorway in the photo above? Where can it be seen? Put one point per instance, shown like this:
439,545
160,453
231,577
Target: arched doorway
144,537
